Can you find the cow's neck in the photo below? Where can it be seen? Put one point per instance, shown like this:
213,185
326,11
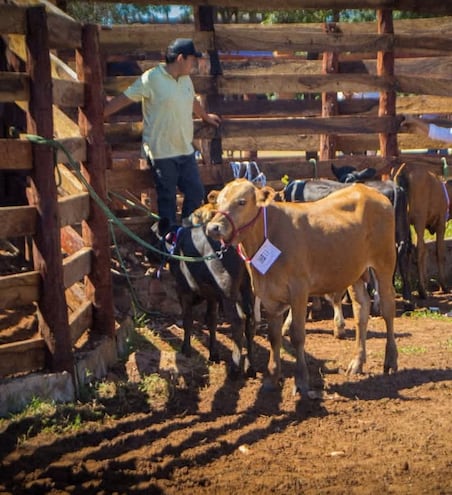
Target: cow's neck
253,237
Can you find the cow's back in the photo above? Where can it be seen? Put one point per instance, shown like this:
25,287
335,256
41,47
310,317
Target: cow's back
340,235
220,276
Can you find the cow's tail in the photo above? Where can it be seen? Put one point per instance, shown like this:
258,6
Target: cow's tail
399,173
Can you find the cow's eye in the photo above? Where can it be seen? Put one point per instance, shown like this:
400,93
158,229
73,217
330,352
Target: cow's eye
242,202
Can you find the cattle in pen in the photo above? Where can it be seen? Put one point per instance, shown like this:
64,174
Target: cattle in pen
205,272
429,207
294,250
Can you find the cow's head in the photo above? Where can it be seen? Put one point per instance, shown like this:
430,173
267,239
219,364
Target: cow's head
206,212
347,174
238,206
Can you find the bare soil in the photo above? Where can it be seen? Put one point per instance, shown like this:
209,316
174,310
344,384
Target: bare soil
366,434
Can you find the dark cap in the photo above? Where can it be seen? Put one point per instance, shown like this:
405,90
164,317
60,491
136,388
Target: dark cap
183,46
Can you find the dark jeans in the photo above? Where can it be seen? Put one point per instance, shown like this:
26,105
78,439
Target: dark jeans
177,172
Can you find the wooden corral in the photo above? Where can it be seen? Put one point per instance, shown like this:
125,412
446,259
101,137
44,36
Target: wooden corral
62,86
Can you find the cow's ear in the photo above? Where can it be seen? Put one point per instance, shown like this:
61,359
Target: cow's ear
212,197
264,196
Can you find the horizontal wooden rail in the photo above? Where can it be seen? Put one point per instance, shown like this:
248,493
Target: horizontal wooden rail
19,289
73,209
16,221
76,266
80,320
22,356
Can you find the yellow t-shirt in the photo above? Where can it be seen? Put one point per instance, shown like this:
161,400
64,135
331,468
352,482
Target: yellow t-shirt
167,112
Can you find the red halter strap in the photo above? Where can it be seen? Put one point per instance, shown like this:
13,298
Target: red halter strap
236,231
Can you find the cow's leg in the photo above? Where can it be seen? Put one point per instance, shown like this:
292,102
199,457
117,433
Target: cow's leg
338,318
441,256
250,331
271,380
388,310
420,248
187,323
297,337
403,264
361,308
212,322
287,322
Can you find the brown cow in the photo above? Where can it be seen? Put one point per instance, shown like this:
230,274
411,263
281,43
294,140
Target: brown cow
325,247
429,207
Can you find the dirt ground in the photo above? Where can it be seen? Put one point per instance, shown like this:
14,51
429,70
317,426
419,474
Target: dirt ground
205,434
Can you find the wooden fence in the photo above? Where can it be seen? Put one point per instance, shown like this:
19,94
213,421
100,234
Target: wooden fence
409,63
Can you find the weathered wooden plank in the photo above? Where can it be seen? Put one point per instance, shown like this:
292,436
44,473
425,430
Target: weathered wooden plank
12,19
14,86
17,221
53,324
67,93
73,209
95,231
433,6
74,146
150,38
68,181
80,320
19,289
134,180
71,240
23,356
15,154
76,266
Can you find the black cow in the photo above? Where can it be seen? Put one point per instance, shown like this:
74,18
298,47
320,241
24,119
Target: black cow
221,279
314,189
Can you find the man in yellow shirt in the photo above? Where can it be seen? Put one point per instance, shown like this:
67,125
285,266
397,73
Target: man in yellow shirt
168,102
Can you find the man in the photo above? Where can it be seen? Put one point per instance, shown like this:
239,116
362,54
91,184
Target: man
168,102
428,129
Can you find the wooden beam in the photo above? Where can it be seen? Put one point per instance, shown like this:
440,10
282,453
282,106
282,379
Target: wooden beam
67,93
13,19
76,266
95,230
53,321
73,209
19,289
17,221
80,320
15,154
14,86
23,356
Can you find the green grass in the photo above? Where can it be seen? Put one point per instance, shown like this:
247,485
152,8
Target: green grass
425,313
412,350
430,237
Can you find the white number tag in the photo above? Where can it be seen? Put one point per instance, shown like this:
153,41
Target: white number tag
265,256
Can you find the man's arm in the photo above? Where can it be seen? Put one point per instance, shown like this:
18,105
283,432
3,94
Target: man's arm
115,104
433,131
210,118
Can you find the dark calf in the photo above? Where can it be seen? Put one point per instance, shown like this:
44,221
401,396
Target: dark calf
221,280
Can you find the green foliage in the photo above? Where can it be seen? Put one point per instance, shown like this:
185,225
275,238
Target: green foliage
119,13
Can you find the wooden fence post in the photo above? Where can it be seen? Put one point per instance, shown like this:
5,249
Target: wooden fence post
385,67
47,258
204,21
330,65
98,284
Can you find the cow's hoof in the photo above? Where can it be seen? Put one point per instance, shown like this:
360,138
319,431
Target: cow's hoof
355,367
390,369
340,334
